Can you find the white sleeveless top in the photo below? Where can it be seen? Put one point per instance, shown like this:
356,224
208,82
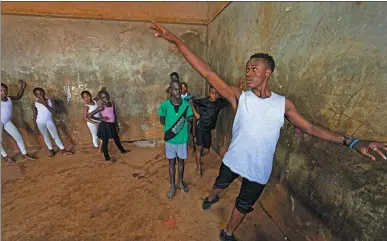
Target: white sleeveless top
6,111
44,115
255,134
93,108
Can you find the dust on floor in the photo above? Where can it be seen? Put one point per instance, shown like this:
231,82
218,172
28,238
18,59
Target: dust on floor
81,197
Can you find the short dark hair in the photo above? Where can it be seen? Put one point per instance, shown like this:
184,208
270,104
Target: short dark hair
185,84
176,74
85,92
268,59
4,86
36,89
211,87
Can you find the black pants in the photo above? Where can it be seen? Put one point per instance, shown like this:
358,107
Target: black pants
248,194
203,138
105,143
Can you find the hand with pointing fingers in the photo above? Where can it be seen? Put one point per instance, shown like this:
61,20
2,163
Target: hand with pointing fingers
365,147
162,32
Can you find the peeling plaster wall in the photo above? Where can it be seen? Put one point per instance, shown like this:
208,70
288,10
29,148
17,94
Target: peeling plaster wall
67,56
331,60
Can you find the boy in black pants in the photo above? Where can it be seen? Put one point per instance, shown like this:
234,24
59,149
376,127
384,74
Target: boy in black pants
206,111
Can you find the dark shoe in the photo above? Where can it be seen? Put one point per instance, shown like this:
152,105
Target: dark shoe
224,237
207,204
52,153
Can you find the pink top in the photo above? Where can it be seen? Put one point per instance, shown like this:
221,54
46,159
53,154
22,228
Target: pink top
109,112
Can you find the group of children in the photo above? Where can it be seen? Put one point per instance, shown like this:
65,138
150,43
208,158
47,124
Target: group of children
100,118
182,116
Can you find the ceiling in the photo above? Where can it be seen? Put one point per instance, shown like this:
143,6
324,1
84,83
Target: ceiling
170,12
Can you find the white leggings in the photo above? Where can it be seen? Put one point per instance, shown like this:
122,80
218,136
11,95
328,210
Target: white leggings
49,126
11,129
93,130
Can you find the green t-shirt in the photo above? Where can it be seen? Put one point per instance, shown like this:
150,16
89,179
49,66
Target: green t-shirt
168,111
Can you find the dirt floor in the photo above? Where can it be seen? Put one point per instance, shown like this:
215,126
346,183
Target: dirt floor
81,197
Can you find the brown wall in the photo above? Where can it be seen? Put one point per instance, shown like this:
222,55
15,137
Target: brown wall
173,12
330,61
59,54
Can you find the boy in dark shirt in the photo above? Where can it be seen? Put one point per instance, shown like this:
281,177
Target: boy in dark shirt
206,111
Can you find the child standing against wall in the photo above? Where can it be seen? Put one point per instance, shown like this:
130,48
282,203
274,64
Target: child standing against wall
174,114
6,123
108,127
42,113
90,106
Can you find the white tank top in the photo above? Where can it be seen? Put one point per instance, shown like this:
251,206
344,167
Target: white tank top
44,115
93,108
255,134
6,111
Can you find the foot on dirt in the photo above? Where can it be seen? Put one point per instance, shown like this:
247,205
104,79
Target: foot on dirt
27,157
66,153
126,151
171,193
183,187
208,203
52,153
8,159
224,237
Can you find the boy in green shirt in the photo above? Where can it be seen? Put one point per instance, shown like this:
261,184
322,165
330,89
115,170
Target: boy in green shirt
174,114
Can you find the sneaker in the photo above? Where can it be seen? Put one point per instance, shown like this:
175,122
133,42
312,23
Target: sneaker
207,204
224,237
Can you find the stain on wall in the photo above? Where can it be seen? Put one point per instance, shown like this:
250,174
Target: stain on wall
330,59
66,56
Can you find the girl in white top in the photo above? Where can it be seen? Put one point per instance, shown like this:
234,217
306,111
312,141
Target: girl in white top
6,116
42,112
90,106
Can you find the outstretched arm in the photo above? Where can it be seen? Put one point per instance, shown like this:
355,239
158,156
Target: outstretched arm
228,92
363,147
21,91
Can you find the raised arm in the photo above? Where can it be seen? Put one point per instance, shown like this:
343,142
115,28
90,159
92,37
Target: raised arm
228,92
46,104
21,91
363,147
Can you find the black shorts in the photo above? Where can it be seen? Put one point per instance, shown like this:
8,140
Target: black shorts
249,191
203,138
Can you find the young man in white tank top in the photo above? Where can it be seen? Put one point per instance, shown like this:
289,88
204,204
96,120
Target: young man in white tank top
6,123
259,117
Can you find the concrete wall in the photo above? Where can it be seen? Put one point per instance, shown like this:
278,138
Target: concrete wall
173,12
67,56
331,60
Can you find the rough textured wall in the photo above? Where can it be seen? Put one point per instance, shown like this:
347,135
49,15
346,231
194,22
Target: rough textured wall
330,61
182,12
175,12
67,56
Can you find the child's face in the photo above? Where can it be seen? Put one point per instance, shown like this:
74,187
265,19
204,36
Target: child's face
175,90
4,92
40,94
183,89
213,94
86,97
105,97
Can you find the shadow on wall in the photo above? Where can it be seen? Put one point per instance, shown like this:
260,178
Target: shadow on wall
62,115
